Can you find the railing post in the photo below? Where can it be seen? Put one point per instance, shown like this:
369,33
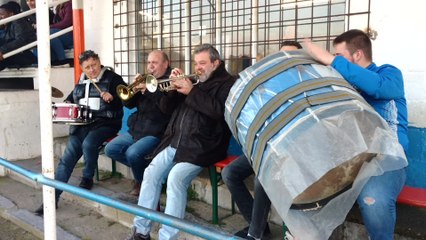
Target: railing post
46,129
78,23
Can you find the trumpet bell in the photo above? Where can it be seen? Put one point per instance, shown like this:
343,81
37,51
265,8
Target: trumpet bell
151,83
124,92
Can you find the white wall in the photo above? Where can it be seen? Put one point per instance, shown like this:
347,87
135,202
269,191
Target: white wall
98,25
401,42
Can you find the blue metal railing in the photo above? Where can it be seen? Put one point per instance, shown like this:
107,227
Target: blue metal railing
186,226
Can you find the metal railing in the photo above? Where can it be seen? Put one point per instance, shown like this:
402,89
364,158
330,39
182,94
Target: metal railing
181,224
32,44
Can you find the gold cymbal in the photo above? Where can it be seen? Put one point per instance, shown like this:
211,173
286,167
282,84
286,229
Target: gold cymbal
56,93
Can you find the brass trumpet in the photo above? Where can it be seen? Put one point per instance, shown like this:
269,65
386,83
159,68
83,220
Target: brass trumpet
127,92
164,84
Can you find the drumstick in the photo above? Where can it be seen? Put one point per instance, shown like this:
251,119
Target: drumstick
96,85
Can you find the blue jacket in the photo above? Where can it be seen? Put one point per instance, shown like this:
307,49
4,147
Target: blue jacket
383,88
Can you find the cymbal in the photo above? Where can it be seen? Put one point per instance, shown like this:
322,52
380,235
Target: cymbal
56,93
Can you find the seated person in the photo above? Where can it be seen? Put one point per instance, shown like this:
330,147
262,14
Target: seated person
146,125
254,210
32,18
107,111
61,20
15,35
196,137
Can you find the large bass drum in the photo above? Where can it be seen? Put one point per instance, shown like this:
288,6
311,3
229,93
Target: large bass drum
305,130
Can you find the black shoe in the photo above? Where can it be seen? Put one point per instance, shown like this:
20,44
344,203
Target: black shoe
242,233
137,236
86,183
266,232
39,211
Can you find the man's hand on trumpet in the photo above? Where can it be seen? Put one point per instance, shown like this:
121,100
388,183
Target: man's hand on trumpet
140,87
182,85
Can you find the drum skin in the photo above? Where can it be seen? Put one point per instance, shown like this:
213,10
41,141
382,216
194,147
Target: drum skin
305,130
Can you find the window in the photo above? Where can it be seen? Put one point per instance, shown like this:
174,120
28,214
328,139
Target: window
241,30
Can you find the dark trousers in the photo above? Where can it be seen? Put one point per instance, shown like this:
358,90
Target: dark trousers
23,59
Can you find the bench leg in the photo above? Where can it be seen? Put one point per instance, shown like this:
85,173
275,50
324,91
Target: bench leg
213,182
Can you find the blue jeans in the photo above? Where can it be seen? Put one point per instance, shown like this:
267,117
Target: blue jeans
377,202
179,177
58,45
132,153
83,142
255,211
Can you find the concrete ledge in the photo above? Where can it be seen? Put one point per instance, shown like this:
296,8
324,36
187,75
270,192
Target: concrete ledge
28,220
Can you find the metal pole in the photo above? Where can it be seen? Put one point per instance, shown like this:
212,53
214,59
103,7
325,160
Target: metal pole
219,28
45,99
254,30
182,224
78,34
187,36
160,24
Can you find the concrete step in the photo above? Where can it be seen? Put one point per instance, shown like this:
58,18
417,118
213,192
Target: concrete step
199,209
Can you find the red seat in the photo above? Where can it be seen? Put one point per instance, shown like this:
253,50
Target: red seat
413,196
215,177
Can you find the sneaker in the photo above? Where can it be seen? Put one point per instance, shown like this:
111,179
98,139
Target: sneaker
137,236
242,233
40,210
86,183
136,189
266,232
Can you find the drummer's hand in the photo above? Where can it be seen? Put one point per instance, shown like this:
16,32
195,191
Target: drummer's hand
183,85
318,53
1,56
107,97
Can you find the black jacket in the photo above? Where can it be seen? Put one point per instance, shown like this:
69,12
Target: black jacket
17,34
148,120
197,128
109,114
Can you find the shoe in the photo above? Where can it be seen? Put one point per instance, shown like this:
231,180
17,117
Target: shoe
40,210
137,236
242,233
86,183
136,189
60,63
266,232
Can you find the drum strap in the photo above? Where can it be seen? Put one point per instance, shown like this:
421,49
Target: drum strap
259,79
291,112
280,99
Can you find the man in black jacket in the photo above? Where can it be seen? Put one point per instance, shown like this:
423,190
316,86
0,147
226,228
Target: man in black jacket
146,125
107,112
15,35
196,137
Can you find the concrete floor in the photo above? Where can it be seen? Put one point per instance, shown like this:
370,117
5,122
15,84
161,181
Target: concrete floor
84,220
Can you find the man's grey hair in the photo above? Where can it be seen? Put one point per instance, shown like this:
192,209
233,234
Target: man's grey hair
214,54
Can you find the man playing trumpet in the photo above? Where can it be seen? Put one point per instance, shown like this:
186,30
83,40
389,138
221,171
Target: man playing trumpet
196,137
146,125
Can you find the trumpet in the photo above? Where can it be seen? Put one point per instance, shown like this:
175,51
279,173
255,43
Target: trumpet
127,92
164,84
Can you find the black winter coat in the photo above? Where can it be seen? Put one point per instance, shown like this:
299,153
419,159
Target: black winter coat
17,34
148,120
197,128
110,114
